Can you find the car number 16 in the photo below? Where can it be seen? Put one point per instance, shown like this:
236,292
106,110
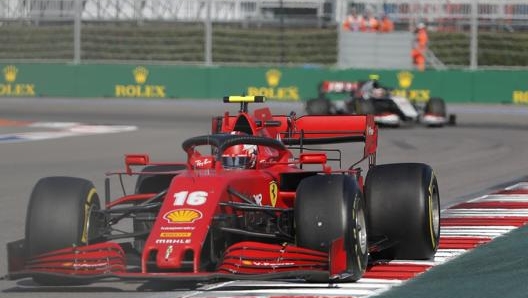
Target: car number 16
194,198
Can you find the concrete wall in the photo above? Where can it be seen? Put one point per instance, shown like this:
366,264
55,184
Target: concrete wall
374,50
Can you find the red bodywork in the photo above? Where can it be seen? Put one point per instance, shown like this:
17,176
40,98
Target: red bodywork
202,198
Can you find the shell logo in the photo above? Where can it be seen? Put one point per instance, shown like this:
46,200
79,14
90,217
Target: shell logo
182,216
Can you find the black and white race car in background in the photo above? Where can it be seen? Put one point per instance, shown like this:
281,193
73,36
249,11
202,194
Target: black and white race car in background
369,97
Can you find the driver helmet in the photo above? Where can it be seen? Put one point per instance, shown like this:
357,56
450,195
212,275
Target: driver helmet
241,156
374,78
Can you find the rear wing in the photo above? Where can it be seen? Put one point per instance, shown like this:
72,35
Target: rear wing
313,130
304,130
339,86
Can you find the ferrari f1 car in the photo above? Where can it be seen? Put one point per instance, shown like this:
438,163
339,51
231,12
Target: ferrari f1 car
258,198
371,98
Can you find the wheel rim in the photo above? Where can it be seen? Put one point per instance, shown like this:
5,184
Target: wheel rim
435,209
89,227
93,222
361,230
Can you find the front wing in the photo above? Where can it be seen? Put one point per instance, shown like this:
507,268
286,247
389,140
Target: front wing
242,261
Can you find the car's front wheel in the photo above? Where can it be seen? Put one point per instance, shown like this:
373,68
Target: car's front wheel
62,213
330,207
403,206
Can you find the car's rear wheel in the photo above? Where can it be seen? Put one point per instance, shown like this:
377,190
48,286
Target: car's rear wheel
61,213
328,207
364,106
403,205
318,106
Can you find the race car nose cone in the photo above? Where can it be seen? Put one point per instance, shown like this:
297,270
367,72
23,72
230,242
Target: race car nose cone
172,257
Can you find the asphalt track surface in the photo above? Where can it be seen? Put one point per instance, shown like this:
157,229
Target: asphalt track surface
485,151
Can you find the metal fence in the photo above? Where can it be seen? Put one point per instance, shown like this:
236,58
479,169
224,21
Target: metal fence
206,31
433,11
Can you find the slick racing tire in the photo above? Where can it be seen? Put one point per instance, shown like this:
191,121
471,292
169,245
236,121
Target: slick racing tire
436,106
150,183
361,106
328,207
61,214
319,106
403,205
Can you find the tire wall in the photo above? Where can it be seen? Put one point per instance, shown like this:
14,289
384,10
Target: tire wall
276,83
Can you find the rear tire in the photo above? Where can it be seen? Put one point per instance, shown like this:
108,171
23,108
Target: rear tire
329,207
318,106
403,204
60,215
361,106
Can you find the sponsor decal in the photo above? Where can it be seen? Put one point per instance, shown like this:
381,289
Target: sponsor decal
140,89
274,192
267,264
202,163
182,216
273,90
168,252
175,234
520,97
178,228
258,199
85,265
173,241
11,88
405,79
370,131
246,262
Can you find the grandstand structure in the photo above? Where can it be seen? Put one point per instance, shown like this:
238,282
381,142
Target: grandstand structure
213,26
512,12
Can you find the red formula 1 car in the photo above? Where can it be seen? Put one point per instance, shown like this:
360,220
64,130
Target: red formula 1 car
258,198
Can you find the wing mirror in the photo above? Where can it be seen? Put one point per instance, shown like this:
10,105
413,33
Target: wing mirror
135,160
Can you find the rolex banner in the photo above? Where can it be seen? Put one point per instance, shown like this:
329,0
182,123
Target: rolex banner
276,83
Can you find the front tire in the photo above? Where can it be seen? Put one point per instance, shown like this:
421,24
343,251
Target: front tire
62,213
403,204
329,207
436,106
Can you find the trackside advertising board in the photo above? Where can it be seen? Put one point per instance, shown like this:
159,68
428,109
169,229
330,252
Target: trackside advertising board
276,83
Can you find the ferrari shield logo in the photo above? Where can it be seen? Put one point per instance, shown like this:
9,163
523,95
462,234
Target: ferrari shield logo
274,189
